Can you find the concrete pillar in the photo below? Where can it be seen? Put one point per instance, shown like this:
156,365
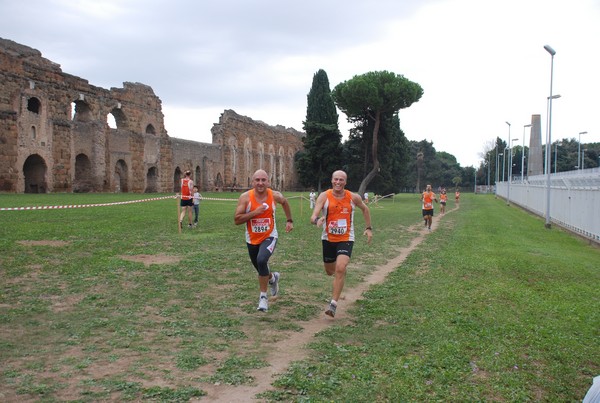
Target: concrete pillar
535,164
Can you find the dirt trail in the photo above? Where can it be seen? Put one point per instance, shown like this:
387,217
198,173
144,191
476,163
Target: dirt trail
286,351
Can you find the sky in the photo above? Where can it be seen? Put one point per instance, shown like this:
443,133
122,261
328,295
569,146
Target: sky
481,63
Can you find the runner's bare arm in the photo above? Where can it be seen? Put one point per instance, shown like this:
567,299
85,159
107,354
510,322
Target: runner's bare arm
314,218
279,198
366,214
241,216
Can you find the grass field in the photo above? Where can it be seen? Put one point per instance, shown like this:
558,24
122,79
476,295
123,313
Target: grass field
490,307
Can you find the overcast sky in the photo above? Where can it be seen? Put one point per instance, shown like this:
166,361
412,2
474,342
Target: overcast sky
480,63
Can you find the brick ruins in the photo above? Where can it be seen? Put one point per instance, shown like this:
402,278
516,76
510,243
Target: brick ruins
55,137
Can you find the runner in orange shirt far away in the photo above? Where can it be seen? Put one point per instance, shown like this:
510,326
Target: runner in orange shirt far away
443,201
428,197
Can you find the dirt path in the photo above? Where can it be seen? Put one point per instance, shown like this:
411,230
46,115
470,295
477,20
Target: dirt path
286,351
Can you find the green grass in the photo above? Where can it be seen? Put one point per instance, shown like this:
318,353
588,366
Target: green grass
491,306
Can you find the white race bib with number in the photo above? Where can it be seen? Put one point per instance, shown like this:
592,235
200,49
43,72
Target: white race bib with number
339,227
260,225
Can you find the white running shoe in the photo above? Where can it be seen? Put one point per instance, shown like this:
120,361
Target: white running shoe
274,284
263,304
331,310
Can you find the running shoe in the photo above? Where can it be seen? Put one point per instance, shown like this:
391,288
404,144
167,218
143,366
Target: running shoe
263,304
331,310
274,284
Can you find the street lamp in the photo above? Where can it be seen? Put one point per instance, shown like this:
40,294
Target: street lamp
549,138
497,162
558,143
547,109
523,153
504,163
579,164
510,163
488,176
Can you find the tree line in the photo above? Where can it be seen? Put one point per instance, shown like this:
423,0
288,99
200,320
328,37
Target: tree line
565,155
376,155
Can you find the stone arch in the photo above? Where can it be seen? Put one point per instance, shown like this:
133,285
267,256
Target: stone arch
83,182
272,168
290,164
34,105
111,122
34,170
219,182
121,173
120,117
197,177
261,155
247,160
151,180
231,162
150,129
81,111
177,180
281,168
205,176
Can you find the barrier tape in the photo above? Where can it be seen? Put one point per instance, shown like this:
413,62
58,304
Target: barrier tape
72,206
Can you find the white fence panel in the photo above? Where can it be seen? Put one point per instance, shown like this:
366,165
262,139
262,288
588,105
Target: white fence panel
574,199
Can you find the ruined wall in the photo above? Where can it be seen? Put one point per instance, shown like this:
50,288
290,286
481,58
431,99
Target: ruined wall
54,136
249,145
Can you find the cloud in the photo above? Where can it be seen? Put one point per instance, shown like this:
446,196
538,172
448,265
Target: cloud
480,63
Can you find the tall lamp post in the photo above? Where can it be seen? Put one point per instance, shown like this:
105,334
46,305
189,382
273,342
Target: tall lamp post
497,162
579,164
523,152
549,138
558,143
547,110
488,175
509,163
504,163
512,164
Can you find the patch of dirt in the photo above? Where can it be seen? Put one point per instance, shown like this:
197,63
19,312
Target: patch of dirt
147,260
44,243
282,353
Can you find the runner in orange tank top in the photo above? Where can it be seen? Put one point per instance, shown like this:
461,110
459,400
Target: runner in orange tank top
256,209
428,197
443,201
336,207
187,202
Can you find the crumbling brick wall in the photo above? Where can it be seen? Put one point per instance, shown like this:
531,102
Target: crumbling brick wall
55,136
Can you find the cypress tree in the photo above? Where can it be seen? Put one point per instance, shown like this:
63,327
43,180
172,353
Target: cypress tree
322,145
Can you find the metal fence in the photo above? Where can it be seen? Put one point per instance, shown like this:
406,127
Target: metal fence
574,199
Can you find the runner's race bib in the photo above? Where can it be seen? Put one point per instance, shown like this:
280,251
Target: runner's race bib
260,225
338,227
